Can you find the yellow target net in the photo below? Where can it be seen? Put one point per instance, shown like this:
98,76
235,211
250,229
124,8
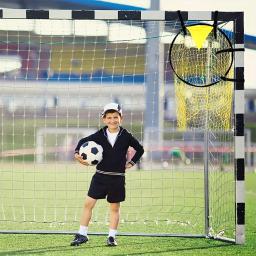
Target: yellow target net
201,61
202,107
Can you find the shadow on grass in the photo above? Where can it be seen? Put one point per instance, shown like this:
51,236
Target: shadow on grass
88,247
185,249
51,249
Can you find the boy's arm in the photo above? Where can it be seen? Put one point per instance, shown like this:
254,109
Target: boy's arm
138,148
80,143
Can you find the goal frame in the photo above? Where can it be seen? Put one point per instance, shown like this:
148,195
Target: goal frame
237,18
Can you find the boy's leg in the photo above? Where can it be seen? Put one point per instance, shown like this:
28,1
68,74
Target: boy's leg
81,236
114,215
86,216
114,221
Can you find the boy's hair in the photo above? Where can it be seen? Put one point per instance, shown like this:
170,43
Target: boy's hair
110,111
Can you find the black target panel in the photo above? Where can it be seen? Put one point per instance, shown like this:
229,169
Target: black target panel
203,66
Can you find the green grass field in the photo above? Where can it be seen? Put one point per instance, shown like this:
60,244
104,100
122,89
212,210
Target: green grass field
31,244
50,197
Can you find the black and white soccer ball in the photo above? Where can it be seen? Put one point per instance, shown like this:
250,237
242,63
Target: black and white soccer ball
91,152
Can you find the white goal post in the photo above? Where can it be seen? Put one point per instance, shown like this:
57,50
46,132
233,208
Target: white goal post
70,137
60,67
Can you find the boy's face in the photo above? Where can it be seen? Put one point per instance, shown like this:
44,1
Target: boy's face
112,120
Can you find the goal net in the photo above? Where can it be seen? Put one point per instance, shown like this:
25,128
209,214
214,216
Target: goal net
59,68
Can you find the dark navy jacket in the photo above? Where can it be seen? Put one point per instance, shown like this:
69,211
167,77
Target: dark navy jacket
114,158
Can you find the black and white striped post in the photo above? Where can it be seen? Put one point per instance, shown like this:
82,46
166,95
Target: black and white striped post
239,130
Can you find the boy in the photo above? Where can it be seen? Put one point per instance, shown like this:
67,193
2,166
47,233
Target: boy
109,180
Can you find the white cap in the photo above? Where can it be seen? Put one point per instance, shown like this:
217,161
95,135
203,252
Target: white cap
112,106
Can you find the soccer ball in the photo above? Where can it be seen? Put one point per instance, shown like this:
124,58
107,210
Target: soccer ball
91,152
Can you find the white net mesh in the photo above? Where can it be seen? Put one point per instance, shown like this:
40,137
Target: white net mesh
55,79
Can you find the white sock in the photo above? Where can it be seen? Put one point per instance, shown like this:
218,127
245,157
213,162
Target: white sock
83,230
112,232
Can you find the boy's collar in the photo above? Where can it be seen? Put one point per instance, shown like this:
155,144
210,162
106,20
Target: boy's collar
105,130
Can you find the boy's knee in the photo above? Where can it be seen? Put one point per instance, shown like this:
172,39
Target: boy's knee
89,204
115,207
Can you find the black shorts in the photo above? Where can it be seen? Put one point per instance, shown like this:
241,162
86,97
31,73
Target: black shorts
110,186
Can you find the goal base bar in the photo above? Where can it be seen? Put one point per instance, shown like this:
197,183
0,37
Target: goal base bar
48,232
